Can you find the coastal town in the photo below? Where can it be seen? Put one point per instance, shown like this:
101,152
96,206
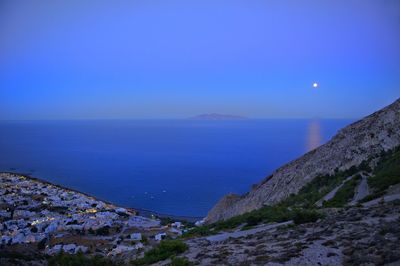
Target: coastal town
52,219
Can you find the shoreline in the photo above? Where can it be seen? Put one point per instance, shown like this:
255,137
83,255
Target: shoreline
139,211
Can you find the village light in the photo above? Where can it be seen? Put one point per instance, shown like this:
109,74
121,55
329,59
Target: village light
92,210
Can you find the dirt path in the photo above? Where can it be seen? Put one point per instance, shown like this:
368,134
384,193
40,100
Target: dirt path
237,234
331,194
362,190
386,198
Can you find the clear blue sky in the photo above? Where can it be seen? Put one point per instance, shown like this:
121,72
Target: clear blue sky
172,59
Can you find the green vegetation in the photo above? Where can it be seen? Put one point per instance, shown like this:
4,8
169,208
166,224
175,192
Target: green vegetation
386,173
317,188
169,220
267,214
179,261
373,196
165,220
103,231
199,231
306,216
300,207
262,258
42,244
166,249
17,255
79,259
344,194
144,240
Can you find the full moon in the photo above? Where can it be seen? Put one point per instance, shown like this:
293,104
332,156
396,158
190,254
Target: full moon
315,85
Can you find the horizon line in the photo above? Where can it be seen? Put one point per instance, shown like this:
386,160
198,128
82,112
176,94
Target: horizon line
185,118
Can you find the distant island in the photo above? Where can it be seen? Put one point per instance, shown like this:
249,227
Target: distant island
215,116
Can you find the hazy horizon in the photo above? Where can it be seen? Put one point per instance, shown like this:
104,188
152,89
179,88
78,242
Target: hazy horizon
181,118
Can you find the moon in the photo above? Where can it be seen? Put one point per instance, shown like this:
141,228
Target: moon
315,85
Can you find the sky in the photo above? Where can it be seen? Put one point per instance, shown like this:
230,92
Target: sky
175,59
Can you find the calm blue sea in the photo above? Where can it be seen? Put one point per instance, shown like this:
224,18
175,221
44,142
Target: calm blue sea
179,167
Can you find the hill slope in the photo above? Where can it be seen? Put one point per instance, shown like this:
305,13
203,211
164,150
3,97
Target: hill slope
352,145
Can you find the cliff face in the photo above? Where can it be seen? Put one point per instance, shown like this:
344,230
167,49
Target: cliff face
353,144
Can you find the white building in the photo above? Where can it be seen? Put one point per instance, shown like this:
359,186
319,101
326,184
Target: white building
199,223
160,236
136,236
176,224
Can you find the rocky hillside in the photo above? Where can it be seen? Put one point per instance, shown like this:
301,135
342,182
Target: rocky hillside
358,142
348,236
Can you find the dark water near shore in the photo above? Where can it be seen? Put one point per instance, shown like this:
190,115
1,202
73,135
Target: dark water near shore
178,167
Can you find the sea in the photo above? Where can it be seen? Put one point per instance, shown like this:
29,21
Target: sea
174,167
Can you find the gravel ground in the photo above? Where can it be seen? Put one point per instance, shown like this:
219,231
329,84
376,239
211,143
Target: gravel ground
350,236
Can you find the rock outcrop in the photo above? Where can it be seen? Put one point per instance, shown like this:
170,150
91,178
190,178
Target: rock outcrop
352,145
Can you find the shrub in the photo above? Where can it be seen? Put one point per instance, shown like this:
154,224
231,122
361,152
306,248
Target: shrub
103,231
179,261
197,231
144,240
42,244
302,216
166,220
63,259
15,255
253,219
316,189
387,172
373,196
344,194
166,249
